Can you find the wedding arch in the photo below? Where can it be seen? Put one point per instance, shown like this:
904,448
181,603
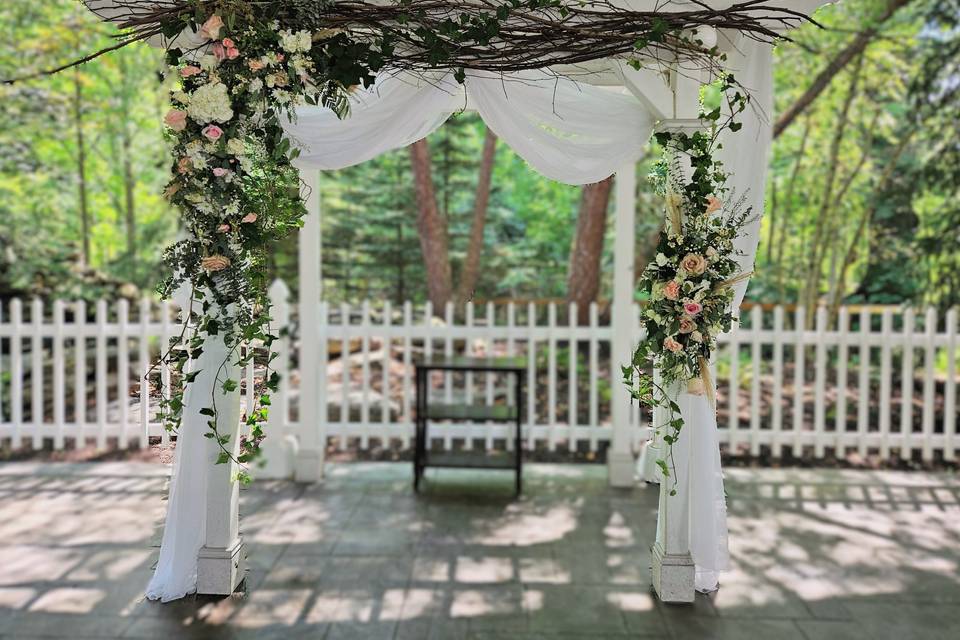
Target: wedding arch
268,92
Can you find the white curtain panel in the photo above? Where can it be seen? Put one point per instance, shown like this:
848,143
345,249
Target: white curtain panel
570,132
185,527
744,155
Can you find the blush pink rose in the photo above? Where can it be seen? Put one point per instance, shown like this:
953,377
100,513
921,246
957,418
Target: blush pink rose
687,325
224,228
694,264
219,51
228,43
220,172
184,165
672,345
211,28
233,53
176,119
250,218
190,70
212,132
671,290
255,65
692,308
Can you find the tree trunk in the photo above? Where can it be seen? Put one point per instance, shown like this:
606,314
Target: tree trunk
839,291
471,266
835,66
788,201
81,165
432,228
826,202
129,192
583,276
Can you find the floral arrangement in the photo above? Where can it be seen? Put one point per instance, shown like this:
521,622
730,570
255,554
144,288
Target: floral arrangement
235,184
689,284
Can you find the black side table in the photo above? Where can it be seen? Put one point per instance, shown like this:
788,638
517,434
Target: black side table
427,411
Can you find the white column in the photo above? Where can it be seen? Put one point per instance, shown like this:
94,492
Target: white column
672,566
310,456
620,462
221,561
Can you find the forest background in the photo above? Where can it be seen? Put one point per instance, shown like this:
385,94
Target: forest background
863,200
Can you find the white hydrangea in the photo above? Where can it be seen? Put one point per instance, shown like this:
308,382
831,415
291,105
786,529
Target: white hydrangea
210,103
295,42
300,63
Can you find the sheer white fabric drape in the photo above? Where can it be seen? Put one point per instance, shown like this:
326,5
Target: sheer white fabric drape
568,131
185,527
744,155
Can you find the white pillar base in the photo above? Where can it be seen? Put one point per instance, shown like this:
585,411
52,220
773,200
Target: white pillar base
673,576
621,468
220,571
308,466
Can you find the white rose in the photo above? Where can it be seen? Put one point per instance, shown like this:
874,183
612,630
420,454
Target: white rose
210,103
208,62
256,85
661,259
236,147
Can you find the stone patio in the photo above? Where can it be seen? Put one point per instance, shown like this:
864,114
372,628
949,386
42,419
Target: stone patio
817,554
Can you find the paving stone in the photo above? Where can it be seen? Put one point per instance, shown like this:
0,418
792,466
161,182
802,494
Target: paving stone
816,554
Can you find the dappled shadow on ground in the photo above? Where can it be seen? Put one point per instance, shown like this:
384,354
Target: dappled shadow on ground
816,554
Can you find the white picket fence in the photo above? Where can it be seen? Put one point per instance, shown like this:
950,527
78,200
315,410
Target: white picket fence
70,378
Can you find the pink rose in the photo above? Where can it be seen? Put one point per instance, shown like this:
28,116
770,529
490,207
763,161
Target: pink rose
694,264
184,165
211,28
219,52
687,325
255,65
250,218
713,204
672,345
176,119
224,228
190,70
228,43
220,171
212,132
233,53
692,308
671,290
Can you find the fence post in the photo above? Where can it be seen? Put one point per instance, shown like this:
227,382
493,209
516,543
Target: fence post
620,463
310,456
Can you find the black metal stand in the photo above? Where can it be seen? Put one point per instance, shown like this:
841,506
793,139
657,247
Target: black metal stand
426,412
